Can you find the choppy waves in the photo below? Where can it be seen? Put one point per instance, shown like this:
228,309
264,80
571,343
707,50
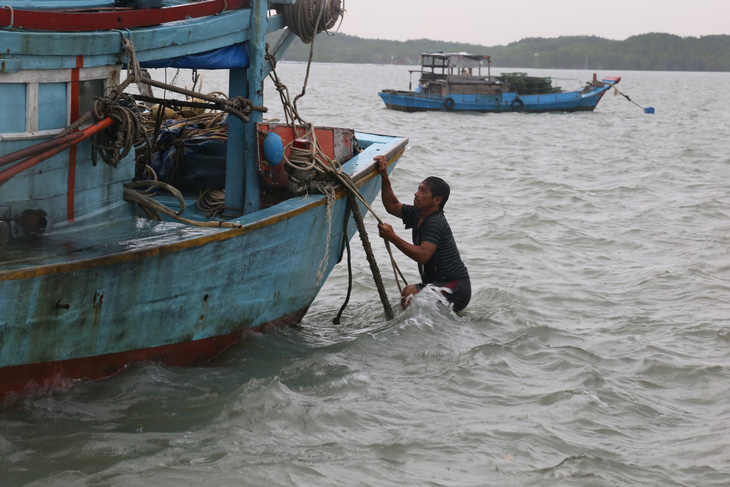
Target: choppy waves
595,349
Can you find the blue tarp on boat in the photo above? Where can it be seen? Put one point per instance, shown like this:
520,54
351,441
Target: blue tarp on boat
235,56
202,163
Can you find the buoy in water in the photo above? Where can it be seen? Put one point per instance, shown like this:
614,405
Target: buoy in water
273,149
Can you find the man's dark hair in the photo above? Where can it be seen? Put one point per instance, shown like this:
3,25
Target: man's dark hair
439,187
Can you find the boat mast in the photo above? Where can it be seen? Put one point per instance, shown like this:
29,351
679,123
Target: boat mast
242,184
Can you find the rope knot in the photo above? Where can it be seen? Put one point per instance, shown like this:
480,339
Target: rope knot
241,104
117,141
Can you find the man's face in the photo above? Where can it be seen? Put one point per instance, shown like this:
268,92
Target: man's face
423,197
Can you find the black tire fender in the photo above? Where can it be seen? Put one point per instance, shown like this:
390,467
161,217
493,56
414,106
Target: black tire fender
449,104
518,105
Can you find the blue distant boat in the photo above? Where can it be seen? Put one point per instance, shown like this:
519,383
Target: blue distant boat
455,82
100,264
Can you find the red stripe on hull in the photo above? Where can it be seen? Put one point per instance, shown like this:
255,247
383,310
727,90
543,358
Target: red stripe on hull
49,376
84,21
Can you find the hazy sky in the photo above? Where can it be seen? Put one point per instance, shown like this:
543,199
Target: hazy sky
491,23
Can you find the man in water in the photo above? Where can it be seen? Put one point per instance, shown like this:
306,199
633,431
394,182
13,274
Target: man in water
434,248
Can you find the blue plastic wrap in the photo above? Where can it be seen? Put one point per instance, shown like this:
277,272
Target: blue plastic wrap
234,56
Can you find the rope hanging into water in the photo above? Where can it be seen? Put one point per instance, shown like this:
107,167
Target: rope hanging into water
329,191
306,165
318,164
369,253
315,161
334,168
345,246
649,110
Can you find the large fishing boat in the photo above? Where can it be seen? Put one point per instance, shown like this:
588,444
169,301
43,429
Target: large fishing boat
455,82
120,239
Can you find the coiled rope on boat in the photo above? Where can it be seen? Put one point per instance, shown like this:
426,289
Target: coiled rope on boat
307,18
118,140
152,207
115,142
237,106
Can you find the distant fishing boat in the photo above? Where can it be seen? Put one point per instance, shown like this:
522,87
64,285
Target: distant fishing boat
455,82
111,249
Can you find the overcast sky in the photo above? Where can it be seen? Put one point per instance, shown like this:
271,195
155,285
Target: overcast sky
493,23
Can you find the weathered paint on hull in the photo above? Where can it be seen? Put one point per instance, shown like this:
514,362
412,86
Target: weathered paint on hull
573,101
100,288
49,376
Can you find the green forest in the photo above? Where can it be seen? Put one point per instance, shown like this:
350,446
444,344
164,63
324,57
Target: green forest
649,52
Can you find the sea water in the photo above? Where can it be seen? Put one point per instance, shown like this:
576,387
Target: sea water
595,350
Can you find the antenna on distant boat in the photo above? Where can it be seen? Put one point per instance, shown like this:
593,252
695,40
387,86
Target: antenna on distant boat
649,110
410,81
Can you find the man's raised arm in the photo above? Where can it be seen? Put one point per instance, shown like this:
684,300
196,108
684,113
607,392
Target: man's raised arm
390,201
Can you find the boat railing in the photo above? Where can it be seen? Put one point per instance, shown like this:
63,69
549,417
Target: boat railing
433,76
466,78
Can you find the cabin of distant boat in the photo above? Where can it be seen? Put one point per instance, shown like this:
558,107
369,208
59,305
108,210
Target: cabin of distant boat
460,72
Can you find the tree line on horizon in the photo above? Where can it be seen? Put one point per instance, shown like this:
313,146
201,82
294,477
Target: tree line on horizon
650,52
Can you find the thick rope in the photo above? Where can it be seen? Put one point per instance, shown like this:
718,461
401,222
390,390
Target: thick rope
301,162
212,201
162,185
319,162
237,106
345,245
116,142
331,198
148,203
314,160
369,253
307,18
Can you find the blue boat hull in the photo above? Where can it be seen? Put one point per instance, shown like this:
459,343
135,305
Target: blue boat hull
169,292
89,282
571,101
